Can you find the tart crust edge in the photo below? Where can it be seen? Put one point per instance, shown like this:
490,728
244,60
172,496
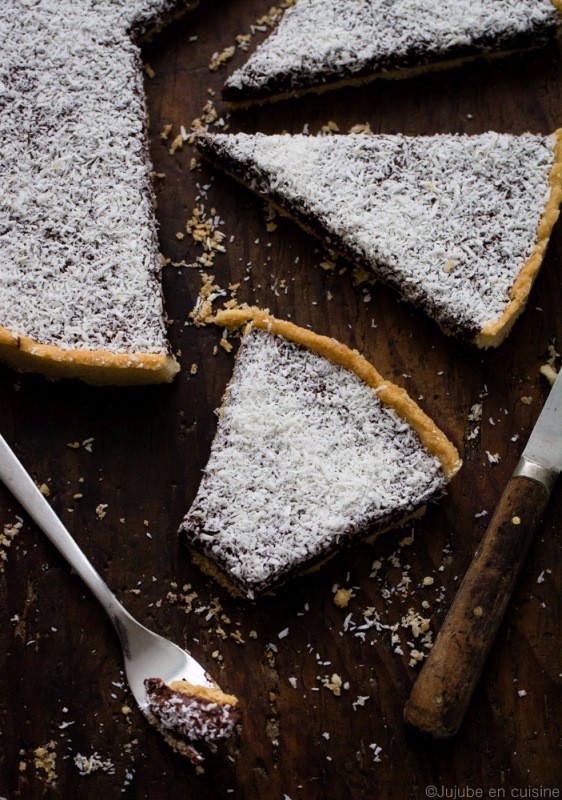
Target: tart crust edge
494,332
214,570
97,367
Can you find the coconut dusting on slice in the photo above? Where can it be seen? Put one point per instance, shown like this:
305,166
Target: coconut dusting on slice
457,224
323,42
306,458
79,261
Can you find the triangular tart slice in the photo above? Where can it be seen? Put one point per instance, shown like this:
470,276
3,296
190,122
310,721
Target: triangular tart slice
314,450
325,44
457,224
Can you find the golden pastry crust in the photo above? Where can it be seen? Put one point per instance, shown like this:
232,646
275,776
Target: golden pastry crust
97,367
391,395
494,333
205,693
211,569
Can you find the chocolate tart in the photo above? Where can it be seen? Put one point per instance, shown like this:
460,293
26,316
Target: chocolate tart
457,224
314,450
327,44
80,292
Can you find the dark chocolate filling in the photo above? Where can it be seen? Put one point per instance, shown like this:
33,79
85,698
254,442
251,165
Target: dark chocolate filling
192,528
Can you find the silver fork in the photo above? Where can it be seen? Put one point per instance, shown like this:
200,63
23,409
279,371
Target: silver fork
146,654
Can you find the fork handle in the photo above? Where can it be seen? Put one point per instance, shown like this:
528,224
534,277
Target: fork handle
20,484
443,690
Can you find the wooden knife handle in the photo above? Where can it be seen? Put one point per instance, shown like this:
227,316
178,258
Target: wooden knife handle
443,690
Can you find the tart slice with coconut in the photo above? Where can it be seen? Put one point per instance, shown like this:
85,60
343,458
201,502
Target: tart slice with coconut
314,450
326,44
457,224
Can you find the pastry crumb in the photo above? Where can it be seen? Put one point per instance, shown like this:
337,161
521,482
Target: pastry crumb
363,127
548,371
7,536
342,597
243,41
334,684
330,127
45,759
218,59
165,132
177,144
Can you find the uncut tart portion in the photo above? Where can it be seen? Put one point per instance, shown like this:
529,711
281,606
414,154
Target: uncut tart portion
80,292
325,44
314,450
457,224
189,716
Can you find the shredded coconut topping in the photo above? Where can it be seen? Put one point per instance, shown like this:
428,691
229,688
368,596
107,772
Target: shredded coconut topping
79,264
319,41
192,717
305,456
449,220
187,719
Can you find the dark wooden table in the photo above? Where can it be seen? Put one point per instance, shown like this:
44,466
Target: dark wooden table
60,662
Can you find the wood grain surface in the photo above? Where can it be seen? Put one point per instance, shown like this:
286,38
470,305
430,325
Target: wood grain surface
60,662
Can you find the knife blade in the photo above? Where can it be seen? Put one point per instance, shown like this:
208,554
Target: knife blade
444,688
542,457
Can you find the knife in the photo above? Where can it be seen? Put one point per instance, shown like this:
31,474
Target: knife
443,690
